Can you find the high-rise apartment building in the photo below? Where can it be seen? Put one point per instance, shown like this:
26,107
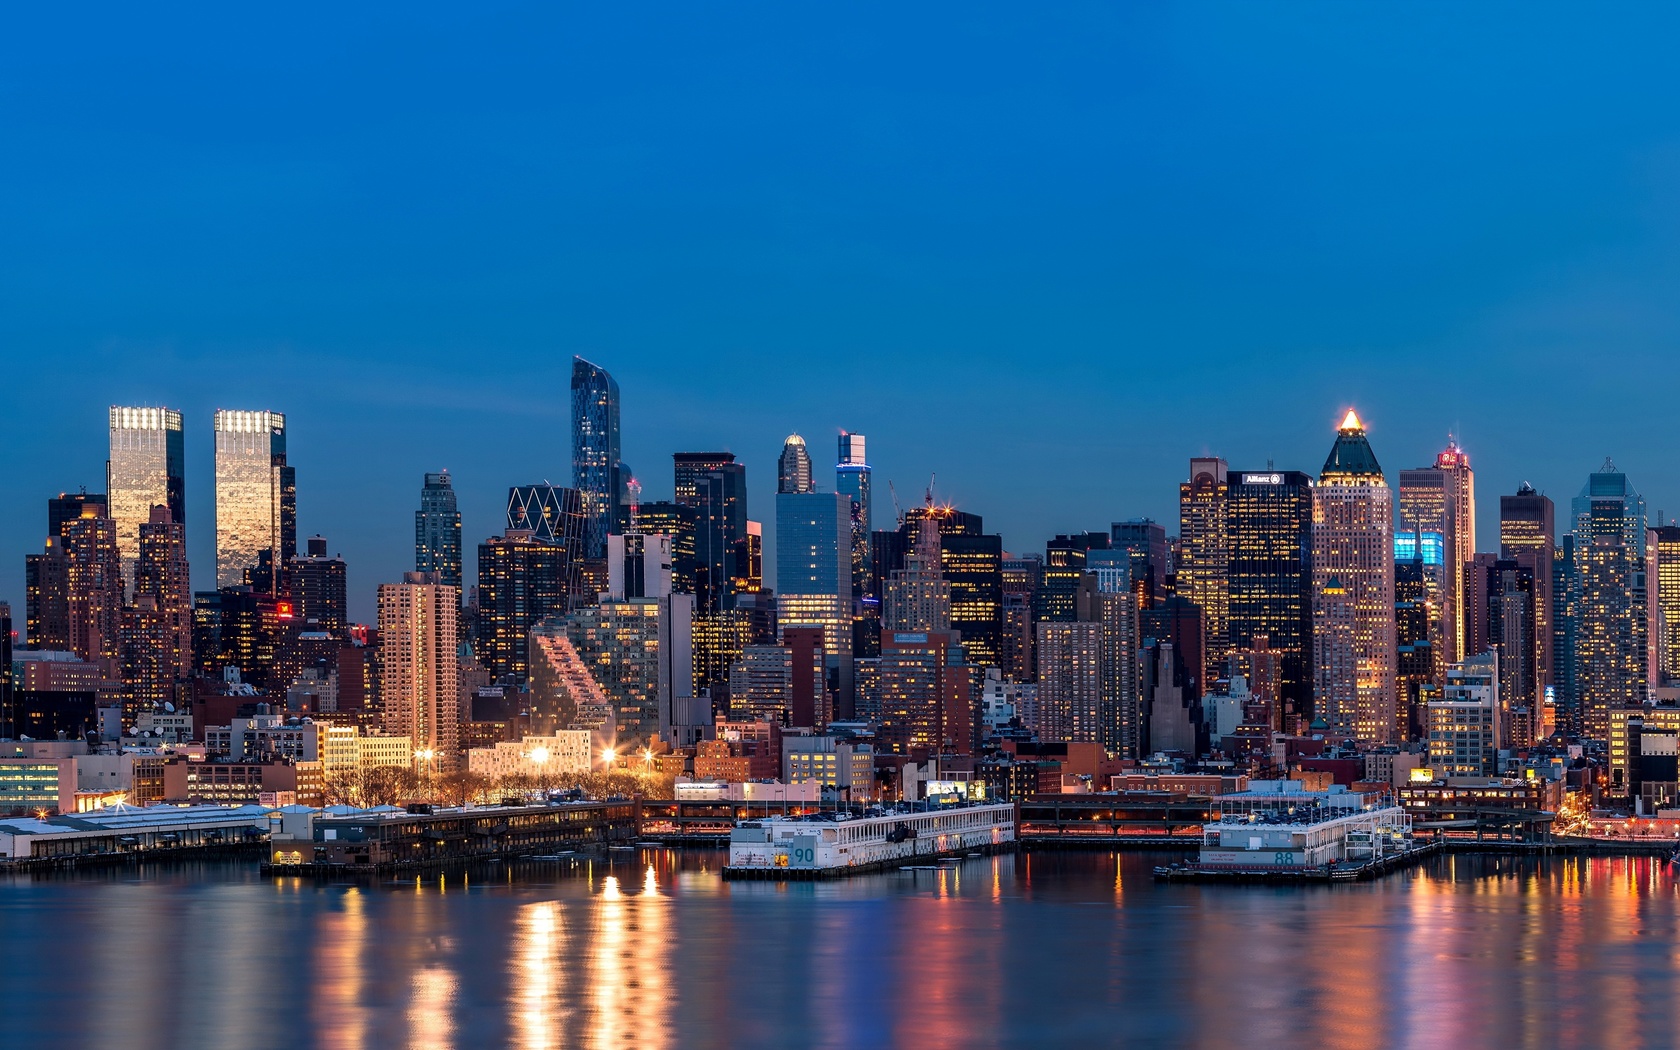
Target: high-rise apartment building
598,470
925,693
67,507
146,468
793,471
1204,554
1509,629
1441,500
1269,527
520,581
437,530
320,590
853,476
1611,660
419,676
47,596
1353,590
1662,580
157,654
256,500
1063,570
94,588
1070,681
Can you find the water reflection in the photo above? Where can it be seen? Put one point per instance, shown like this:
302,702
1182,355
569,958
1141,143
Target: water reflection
654,950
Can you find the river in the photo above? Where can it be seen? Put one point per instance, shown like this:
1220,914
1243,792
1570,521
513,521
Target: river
651,949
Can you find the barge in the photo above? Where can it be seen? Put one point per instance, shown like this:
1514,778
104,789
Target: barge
837,844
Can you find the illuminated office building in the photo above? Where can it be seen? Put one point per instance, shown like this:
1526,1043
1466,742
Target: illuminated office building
1528,536
678,522
437,530
1064,568
1353,590
598,470
814,578
1611,671
1509,628
419,677
1070,681
68,506
552,514
520,581
749,560
853,476
1441,499
793,471
1203,554
47,597
1662,578
1414,666
1269,532
971,562
146,468
256,499
1464,724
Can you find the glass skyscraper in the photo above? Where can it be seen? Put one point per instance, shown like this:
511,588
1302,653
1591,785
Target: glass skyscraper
598,471
146,469
1269,517
793,469
437,530
813,573
1611,630
256,497
852,476
714,487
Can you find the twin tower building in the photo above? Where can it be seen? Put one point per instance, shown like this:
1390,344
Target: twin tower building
256,491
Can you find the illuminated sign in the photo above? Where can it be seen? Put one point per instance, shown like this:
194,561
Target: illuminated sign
1434,547
1262,479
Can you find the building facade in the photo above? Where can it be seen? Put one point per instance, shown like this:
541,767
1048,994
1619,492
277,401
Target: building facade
146,468
256,499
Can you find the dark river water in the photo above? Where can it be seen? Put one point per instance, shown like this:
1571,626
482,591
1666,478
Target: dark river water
652,949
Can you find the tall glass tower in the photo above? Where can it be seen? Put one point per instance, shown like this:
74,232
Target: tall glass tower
852,477
147,469
1611,629
793,470
598,471
437,530
256,497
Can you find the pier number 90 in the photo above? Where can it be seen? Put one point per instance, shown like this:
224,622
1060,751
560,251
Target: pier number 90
803,855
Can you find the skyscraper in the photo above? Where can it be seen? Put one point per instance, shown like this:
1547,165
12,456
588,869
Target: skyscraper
1663,546
793,472
814,574
1204,555
1528,536
319,590
1070,681
714,487
918,596
256,499
1269,520
1442,499
47,597
1610,645
520,581
598,470
147,468
852,476
94,588
437,530
1353,590
157,629
419,680
1145,543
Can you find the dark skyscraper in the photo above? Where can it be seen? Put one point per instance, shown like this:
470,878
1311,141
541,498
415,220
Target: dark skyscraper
521,580
1269,529
319,590
551,514
437,530
157,627
1064,568
1145,542
598,470
714,487
853,476
67,507
677,522
1528,536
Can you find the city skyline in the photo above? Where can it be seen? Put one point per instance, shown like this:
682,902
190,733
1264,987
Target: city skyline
379,542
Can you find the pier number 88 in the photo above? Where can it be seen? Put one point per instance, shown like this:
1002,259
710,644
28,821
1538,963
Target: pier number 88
1283,858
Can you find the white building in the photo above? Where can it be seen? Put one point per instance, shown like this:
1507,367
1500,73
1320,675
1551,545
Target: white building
835,762
1464,723
564,753
265,734
347,748
747,791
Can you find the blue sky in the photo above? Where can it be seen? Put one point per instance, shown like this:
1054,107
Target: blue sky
1047,254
